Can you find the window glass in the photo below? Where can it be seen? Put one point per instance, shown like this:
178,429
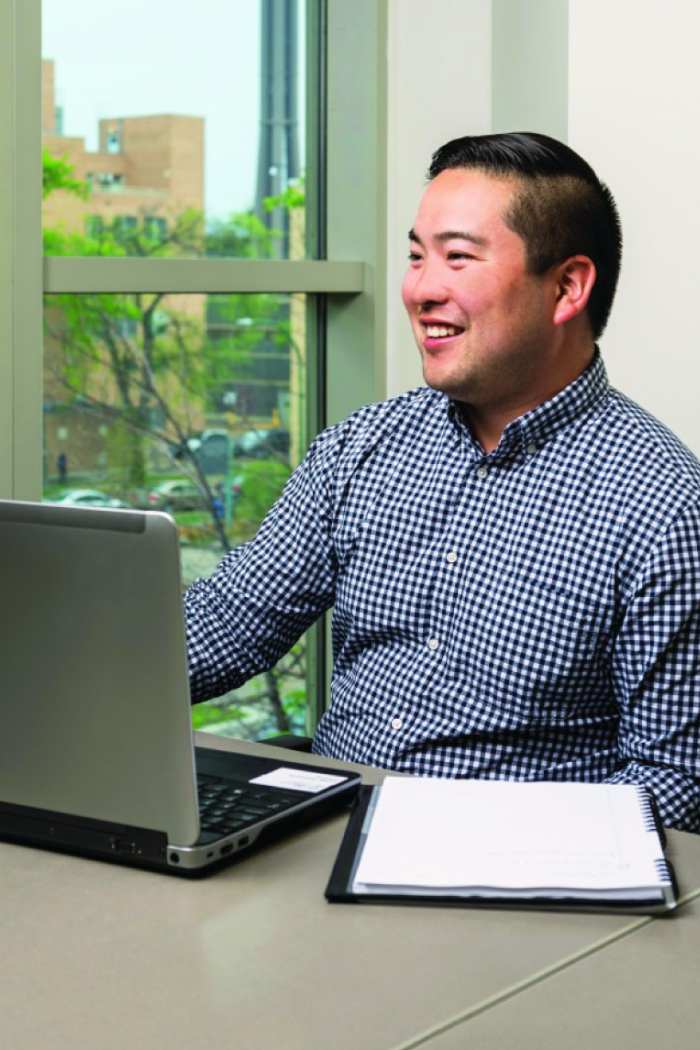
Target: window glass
191,148
194,405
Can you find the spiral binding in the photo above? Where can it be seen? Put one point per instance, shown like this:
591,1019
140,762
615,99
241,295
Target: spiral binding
647,807
652,823
663,871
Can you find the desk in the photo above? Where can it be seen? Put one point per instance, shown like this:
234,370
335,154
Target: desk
102,957
640,992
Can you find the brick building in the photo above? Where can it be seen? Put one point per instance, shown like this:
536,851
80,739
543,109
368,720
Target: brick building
147,171
147,168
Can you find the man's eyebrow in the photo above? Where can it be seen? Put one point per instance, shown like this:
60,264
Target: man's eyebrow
452,235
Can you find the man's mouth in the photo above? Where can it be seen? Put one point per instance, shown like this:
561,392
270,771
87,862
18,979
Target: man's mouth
441,331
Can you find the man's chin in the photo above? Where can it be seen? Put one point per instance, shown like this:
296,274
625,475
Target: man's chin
443,381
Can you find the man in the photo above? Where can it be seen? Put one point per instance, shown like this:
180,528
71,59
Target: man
513,552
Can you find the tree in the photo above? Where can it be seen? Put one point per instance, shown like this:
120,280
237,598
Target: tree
57,174
139,363
148,365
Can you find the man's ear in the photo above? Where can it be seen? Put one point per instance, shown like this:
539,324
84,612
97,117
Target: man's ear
575,279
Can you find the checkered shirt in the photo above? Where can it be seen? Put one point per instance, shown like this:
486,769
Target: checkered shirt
530,614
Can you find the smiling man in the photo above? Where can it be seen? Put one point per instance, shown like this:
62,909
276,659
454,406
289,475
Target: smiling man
512,551
493,336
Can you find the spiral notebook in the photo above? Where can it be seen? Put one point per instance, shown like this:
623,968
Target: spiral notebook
505,843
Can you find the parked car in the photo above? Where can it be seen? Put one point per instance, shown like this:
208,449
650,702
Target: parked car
87,498
260,444
179,494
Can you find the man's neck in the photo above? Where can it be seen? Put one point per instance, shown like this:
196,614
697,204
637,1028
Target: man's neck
487,422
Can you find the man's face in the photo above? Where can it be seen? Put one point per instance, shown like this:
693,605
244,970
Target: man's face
483,325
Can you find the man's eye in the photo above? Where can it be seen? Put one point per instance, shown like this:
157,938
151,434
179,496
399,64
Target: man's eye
459,255
414,257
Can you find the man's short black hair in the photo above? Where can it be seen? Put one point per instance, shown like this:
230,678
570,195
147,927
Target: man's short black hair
560,209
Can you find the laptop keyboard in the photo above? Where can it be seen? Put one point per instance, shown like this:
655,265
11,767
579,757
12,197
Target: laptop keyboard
226,806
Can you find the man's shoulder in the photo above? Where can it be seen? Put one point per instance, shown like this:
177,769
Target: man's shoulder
417,402
381,419
646,441
638,463
376,436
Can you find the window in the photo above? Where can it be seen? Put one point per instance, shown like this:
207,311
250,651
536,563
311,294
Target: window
94,226
233,286
155,228
184,131
170,403
123,229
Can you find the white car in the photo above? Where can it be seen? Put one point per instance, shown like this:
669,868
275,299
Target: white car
86,498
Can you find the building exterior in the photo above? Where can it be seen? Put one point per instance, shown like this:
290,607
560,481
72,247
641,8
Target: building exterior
146,169
147,173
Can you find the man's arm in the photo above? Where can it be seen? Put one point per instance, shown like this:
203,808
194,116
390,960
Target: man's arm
656,674
266,593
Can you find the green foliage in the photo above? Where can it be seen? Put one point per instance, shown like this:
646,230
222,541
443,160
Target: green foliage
126,458
59,242
206,715
294,197
149,368
242,236
263,481
57,174
294,703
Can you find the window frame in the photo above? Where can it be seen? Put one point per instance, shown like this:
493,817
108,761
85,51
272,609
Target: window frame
347,51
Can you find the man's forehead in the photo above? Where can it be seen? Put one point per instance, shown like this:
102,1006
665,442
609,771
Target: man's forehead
462,203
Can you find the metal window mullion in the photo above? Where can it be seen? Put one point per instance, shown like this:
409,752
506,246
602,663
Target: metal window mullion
20,250
88,275
7,243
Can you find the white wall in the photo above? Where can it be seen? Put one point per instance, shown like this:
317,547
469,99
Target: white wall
634,95
439,88
633,101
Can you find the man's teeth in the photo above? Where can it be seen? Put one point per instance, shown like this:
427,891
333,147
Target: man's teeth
439,331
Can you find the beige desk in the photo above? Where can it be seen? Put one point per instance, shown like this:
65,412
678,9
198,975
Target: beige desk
102,957
640,992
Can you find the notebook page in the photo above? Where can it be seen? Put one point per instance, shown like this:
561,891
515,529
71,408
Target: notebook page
465,833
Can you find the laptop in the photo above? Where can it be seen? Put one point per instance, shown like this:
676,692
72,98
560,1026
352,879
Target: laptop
97,752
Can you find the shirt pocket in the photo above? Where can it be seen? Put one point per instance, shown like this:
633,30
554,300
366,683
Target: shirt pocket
540,649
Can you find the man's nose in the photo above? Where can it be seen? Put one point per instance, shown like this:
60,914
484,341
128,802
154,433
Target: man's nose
429,287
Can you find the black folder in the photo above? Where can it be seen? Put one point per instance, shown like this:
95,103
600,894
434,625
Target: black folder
341,888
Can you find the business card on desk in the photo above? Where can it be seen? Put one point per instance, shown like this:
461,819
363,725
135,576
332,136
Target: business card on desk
298,780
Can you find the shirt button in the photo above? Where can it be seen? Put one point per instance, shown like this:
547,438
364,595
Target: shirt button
452,557
531,449
482,472
433,644
396,723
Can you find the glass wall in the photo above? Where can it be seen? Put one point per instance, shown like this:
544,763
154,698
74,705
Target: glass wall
191,403
175,129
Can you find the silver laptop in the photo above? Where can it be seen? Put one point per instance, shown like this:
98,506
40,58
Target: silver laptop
96,744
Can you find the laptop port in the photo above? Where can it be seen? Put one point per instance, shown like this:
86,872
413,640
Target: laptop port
124,846
226,849
243,841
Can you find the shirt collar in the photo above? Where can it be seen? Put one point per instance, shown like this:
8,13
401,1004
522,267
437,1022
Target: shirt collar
537,426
